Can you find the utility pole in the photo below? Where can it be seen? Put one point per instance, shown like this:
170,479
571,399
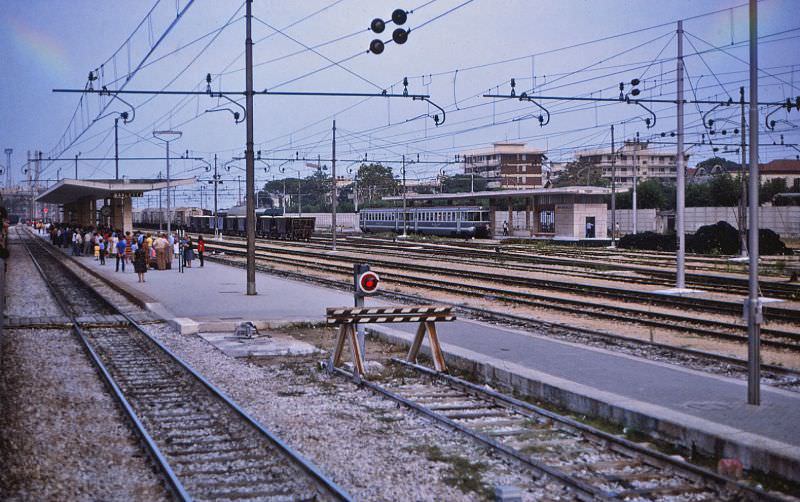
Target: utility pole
160,211
634,203
250,154
355,193
613,191
743,183
681,172
405,219
166,137
8,152
333,178
239,191
753,301
76,165
116,148
216,182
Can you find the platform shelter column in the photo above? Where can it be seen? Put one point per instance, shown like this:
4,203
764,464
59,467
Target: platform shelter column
122,212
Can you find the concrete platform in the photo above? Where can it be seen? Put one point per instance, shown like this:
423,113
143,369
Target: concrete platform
273,345
213,299
700,411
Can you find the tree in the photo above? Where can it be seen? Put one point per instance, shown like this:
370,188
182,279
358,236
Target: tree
463,183
375,181
724,190
772,187
650,194
581,172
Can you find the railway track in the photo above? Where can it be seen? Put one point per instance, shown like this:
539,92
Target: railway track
592,464
518,258
410,276
506,274
778,376
206,447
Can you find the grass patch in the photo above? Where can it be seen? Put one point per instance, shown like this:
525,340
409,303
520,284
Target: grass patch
460,472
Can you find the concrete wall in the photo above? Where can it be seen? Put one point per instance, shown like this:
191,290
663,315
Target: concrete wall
785,220
645,220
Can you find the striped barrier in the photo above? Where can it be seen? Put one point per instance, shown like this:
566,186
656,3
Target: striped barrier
426,315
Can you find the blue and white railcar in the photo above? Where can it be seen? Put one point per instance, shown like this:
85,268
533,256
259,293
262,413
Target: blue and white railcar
465,221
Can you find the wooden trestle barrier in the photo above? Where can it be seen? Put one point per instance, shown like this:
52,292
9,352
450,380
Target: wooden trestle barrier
426,315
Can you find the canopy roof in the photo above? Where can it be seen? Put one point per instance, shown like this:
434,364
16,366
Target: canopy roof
68,191
506,194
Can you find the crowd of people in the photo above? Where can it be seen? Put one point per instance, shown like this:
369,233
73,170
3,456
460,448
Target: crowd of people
143,250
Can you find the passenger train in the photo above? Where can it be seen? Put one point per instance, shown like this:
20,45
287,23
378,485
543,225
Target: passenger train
464,221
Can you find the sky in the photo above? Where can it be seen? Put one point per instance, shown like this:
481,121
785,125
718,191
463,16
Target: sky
457,51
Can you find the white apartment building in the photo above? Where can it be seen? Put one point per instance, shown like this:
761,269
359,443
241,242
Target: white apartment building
651,163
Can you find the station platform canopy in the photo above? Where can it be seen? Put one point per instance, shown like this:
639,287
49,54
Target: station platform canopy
573,191
78,199
68,191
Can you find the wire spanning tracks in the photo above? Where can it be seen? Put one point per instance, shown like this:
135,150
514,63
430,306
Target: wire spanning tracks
592,463
207,447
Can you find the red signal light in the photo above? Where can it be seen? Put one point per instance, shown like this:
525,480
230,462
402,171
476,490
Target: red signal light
368,283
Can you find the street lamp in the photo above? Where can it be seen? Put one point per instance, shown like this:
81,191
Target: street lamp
167,137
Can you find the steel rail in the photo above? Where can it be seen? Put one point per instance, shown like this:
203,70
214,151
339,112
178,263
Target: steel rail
516,319
583,490
619,294
544,301
520,405
317,476
158,457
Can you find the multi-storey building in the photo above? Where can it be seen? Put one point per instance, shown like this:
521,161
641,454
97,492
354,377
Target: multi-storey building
651,163
506,165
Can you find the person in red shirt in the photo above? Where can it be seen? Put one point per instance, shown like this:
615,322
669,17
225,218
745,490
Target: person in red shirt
201,248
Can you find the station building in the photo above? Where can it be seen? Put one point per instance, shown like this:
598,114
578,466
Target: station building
569,213
78,199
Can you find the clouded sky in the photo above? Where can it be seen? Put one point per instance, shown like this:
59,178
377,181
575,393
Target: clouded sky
457,50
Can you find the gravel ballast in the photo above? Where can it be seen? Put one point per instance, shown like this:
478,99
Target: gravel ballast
62,435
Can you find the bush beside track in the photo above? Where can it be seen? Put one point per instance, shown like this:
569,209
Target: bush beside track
720,239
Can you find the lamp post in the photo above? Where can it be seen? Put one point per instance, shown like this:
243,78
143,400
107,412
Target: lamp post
167,137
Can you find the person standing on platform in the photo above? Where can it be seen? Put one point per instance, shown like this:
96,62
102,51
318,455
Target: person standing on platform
201,248
140,262
505,229
122,245
188,252
162,251
101,243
